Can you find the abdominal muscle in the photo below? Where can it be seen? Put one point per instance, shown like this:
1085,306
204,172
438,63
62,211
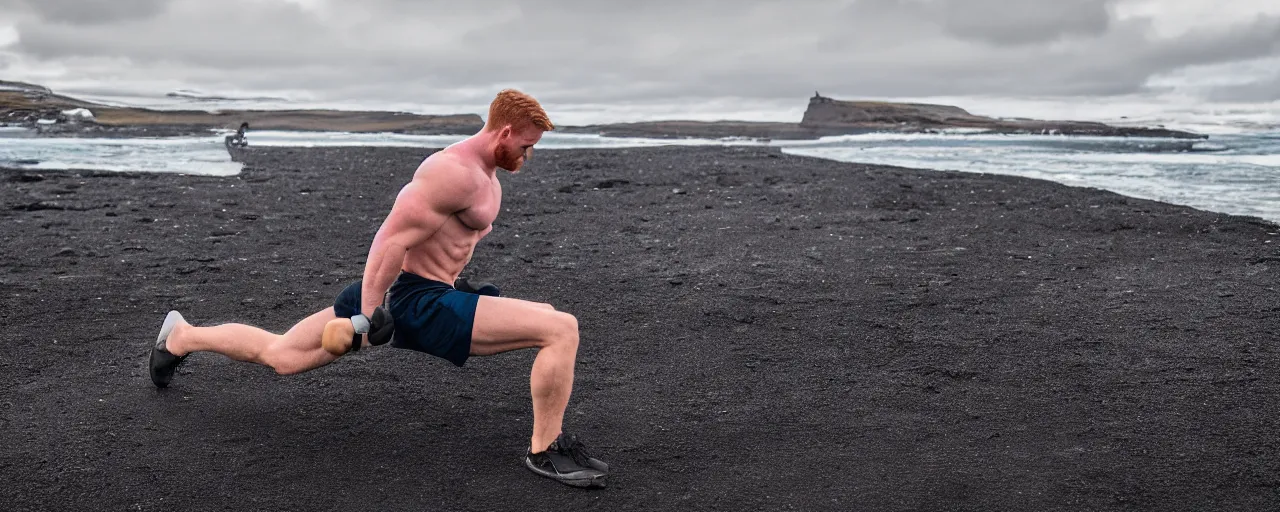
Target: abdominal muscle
443,256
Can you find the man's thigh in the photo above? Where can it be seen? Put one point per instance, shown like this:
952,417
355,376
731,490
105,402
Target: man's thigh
503,324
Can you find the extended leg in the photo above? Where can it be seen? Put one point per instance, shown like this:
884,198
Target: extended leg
295,351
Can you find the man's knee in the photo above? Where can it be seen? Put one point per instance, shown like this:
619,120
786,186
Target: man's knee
289,368
283,361
564,328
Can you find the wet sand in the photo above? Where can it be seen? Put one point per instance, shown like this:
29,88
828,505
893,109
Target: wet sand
759,332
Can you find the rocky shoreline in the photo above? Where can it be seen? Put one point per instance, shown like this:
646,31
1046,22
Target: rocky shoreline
896,338
51,114
828,117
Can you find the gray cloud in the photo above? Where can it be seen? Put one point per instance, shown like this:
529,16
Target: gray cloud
1263,91
577,51
1021,22
80,12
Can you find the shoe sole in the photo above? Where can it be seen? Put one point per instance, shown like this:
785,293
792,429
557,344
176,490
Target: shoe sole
586,482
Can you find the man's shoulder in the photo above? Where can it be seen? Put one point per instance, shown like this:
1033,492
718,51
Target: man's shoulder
448,171
446,163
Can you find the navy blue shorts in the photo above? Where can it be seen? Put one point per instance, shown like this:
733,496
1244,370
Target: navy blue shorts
430,316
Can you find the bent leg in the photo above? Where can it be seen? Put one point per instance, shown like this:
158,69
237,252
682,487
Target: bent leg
504,324
295,351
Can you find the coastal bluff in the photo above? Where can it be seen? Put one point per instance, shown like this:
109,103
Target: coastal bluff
827,116
48,113
53,114
830,114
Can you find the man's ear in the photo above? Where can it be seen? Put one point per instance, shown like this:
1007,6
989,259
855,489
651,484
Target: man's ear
505,133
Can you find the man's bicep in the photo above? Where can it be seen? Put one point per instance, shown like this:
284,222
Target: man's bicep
411,220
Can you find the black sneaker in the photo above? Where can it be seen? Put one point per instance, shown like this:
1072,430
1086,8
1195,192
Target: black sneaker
568,462
164,364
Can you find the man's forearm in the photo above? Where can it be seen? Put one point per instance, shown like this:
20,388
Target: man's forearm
385,261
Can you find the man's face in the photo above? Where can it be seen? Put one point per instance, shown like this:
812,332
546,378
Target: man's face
515,147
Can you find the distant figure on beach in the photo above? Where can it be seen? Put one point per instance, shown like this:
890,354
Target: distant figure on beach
412,297
238,140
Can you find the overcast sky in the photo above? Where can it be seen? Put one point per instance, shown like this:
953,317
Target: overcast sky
599,51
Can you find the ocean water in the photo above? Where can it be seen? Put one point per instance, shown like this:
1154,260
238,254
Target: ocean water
1236,171
187,155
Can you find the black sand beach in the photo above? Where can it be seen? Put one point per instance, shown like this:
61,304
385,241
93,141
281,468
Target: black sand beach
760,332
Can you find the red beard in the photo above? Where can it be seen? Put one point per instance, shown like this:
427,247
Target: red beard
507,159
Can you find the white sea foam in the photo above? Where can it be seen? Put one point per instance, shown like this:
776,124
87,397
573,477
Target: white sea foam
185,155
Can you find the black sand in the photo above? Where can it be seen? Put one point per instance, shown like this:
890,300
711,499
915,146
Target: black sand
760,332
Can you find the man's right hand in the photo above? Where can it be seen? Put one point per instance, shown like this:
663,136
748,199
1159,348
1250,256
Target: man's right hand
381,326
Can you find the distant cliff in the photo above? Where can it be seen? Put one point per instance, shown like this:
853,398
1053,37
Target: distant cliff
826,116
825,112
35,106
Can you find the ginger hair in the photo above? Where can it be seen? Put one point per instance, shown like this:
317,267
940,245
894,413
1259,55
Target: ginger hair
518,110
